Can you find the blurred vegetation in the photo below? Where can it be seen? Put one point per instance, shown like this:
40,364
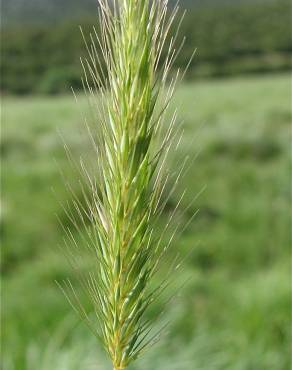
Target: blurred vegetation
244,37
233,313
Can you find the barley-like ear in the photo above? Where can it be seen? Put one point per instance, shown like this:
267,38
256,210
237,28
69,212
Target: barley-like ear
123,196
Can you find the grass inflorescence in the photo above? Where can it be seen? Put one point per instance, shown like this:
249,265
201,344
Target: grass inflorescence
123,198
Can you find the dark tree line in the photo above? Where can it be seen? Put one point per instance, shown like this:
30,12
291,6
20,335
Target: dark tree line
230,39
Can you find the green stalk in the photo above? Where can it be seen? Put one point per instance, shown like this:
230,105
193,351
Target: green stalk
129,175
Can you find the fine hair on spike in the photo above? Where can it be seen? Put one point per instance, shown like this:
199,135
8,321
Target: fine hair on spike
112,244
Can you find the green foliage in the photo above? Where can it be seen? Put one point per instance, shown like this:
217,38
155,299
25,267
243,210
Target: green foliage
230,39
59,80
233,313
251,37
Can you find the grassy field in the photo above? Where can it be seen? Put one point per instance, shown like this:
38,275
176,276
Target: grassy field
233,313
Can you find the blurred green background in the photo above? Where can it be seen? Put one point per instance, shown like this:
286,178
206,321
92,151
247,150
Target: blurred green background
234,311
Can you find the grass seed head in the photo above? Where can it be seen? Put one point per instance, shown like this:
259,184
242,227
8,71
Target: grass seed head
124,190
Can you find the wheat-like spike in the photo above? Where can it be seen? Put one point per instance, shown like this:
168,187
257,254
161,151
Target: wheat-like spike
123,191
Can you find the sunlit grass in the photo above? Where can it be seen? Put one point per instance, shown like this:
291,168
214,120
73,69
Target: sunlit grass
236,309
